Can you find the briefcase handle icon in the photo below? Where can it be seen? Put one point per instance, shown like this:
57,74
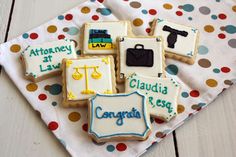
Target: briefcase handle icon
139,45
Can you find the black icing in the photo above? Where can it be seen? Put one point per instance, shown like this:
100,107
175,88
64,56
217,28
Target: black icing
139,56
172,37
99,36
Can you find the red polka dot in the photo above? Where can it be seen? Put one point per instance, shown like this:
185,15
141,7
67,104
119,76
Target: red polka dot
42,97
85,127
95,17
121,147
179,13
222,16
159,121
148,30
33,36
69,17
194,93
52,126
101,1
61,36
221,36
152,12
225,69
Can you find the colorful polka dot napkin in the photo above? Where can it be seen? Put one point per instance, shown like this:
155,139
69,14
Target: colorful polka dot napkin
213,71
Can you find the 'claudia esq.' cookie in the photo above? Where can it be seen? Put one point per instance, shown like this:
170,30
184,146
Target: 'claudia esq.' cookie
118,117
86,76
44,60
181,41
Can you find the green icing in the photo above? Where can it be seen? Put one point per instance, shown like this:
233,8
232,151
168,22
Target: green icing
160,103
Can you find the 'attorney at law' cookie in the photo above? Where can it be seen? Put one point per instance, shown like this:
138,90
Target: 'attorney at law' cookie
181,42
100,37
86,76
144,55
118,117
162,94
44,60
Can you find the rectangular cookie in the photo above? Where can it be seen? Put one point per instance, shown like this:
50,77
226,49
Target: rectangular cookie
180,41
118,117
44,60
144,55
100,37
86,76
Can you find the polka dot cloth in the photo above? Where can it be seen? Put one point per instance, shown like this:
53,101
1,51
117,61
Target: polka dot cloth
212,72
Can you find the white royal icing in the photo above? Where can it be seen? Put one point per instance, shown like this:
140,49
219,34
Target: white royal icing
185,44
81,85
106,45
152,43
46,58
119,115
162,94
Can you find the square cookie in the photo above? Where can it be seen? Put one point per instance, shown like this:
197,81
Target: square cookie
44,60
100,37
86,76
144,55
180,41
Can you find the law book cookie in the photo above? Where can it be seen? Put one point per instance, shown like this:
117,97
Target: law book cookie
162,94
86,76
118,117
44,60
144,55
180,41
100,37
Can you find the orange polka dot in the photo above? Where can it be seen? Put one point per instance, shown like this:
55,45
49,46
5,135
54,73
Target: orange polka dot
74,116
211,83
234,8
167,6
180,109
52,29
85,10
15,48
31,87
137,22
209,28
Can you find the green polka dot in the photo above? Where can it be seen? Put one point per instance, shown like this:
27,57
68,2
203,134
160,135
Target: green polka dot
172,69
216,70
110,148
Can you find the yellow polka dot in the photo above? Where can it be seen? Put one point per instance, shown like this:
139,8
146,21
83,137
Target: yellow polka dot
234,8
211,83
15,48
167,6
209,28
31,87
52,29
85,10
137,22
180,109
74,116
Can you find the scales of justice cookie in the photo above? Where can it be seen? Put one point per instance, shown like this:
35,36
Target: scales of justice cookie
100,37
118,117
162,94
44,60
144,55
86,76
180,41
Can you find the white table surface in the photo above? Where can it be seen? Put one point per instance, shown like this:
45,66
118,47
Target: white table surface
211,133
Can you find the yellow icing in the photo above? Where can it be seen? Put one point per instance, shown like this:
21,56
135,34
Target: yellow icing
100,46
106,60
68,63
108,92
71,95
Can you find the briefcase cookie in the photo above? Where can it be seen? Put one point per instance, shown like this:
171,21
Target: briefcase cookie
100,37
118,117
86,76
161,93
180,42
42,61
144,55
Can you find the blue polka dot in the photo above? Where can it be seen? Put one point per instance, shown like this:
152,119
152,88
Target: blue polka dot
25,35
188,7
105,11
201,104
184,94
216,70
214,17
110,148
230,29
172,69
190,18
55,89
144,11
78,52
54,103
202,50
73,30
60,17
92,0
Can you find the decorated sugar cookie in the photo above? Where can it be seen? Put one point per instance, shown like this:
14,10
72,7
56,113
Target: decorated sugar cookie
181,41
162,94
100,37
44,60
144,55
86,76
118,117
